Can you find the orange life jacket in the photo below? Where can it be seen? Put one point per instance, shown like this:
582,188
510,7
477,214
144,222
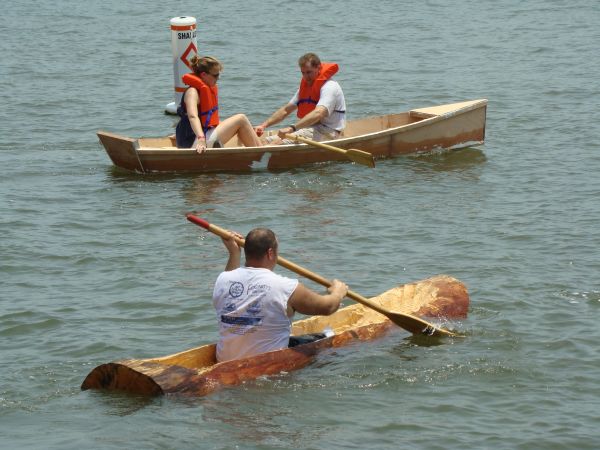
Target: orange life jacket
208,106
309,96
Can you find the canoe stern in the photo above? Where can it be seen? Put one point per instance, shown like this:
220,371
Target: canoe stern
121,377
447,127
121,150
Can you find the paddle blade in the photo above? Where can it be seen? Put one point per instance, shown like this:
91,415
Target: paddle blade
361,157
358,156
416,325
412,324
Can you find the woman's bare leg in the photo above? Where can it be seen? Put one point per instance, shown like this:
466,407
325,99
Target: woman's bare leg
240,125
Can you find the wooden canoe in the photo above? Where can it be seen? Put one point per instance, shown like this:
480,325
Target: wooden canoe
451,126
196,372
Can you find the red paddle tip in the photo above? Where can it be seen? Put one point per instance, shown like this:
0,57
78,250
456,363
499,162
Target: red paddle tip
198,221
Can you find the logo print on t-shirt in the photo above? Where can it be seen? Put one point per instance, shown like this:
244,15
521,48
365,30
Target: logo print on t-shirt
254,308
236,289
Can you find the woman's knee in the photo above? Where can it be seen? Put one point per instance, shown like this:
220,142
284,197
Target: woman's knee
241,119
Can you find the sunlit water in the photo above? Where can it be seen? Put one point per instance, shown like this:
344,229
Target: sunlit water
98,264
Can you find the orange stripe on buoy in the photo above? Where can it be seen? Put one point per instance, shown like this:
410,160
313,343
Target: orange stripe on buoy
183,27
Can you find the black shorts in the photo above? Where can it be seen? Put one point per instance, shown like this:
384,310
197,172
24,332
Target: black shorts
305,339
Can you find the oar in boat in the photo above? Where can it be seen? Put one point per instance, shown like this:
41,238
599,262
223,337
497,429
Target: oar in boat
359,156
408,322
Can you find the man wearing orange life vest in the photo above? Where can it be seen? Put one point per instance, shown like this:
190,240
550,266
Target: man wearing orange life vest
200,127
319,101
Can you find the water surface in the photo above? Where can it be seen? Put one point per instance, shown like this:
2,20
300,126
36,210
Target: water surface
99,264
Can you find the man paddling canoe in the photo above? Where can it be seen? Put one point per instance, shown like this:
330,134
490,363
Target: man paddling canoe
254,305
319,101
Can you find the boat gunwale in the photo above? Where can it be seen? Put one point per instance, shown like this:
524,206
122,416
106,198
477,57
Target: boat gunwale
344,142
348,334
474,105
206,379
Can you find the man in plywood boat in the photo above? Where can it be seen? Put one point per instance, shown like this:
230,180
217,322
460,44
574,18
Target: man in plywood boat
199,126
319,102
254,305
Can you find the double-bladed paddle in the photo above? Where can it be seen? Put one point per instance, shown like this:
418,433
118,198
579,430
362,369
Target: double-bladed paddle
359,156
408,322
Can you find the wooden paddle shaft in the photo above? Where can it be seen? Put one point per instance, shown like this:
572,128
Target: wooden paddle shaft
221,232
358,156
410,323
316,144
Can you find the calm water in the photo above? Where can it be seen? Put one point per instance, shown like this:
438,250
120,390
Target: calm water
99,265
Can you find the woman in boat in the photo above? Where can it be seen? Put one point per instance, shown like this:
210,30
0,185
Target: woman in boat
254,305
200,127
319,102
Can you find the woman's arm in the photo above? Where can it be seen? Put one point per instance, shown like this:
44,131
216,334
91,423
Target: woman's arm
191,106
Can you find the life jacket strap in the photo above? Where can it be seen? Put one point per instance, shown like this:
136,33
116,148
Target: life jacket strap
208,115
306,100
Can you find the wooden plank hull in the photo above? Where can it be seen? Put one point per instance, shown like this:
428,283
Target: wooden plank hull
449,126
196,372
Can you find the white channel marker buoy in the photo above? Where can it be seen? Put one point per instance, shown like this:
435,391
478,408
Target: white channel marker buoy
183,44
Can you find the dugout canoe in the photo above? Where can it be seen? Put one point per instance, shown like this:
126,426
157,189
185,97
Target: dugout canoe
195,372
450,126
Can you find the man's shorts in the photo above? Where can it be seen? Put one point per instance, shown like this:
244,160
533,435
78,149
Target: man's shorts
315,133
305,339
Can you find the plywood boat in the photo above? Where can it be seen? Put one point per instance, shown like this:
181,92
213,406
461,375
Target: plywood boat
451,126
196,371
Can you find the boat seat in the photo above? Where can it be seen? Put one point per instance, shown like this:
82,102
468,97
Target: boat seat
417,114
432,111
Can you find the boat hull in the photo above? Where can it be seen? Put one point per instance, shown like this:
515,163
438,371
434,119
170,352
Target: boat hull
449,126
196,372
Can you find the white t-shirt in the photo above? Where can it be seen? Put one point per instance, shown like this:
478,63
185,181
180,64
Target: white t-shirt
333,99
251,306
